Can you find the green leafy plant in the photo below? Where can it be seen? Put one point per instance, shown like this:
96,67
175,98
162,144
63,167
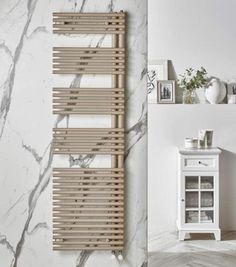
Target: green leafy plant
193,79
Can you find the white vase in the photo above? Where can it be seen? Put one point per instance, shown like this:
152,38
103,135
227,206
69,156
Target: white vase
215,91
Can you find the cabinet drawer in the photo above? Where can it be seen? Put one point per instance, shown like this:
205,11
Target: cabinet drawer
203,163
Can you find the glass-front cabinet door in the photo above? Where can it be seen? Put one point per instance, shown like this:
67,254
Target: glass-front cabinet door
198,198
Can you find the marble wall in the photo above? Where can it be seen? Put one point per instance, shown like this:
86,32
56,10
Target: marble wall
26,123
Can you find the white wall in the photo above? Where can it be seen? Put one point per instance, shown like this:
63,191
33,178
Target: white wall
190,34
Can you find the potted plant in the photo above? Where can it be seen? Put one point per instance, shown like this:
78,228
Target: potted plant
190,81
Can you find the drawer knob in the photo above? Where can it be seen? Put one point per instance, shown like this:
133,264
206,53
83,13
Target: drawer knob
182,200
202,163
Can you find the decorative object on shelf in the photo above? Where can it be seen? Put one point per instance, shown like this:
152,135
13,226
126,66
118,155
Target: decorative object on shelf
157,70
215,91
231,93
191,143
190,81
205,137
201,138
204,140
231,88
231,99
209,138
198,192
189,97
166,92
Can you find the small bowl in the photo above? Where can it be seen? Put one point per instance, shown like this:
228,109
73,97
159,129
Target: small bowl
191,143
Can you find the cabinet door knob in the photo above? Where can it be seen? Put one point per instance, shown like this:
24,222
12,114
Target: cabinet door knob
182,200
204,164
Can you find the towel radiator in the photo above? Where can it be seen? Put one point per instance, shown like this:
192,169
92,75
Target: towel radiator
88,203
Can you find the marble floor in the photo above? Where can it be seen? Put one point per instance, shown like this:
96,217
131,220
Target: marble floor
200,251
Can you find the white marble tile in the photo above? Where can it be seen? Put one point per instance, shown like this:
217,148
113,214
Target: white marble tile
26,123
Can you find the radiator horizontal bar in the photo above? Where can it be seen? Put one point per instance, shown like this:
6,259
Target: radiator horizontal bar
88,197
95,247
90,192
87,113
88,14
87,231
91,142
87,215
87,67
89,130
88,170
89,242
92,227
89,60
83,177
89,49
82,20
81,221
86,31
88,186
88,89
82,203
105,209
88,72
89,26
67,237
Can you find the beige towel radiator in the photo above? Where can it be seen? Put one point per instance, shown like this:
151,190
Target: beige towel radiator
88,204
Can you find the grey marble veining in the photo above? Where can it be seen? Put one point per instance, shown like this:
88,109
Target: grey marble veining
26,123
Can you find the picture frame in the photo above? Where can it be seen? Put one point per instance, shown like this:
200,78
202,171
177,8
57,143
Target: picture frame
231,93
157,70
166,92
231,88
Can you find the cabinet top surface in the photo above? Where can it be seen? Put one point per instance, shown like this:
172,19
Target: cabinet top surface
200,151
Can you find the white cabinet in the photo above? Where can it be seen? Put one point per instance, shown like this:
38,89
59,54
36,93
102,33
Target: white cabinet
198,194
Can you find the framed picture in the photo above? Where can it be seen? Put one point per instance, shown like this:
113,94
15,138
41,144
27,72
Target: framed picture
166,92
157,70
231,88
231,93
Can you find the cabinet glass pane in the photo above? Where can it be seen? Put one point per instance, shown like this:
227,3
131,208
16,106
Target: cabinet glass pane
191,182
207,199
192,199
191,217
207,216
207,182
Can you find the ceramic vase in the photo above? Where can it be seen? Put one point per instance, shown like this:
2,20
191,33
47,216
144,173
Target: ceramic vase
215,91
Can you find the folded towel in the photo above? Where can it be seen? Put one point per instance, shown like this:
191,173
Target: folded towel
192,200
192,217
206,185
207,199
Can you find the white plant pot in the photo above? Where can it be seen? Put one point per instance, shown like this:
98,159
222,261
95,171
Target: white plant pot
215,91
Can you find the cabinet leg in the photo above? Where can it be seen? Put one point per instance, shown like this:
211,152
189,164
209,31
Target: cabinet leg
187,236
217,235
181,235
